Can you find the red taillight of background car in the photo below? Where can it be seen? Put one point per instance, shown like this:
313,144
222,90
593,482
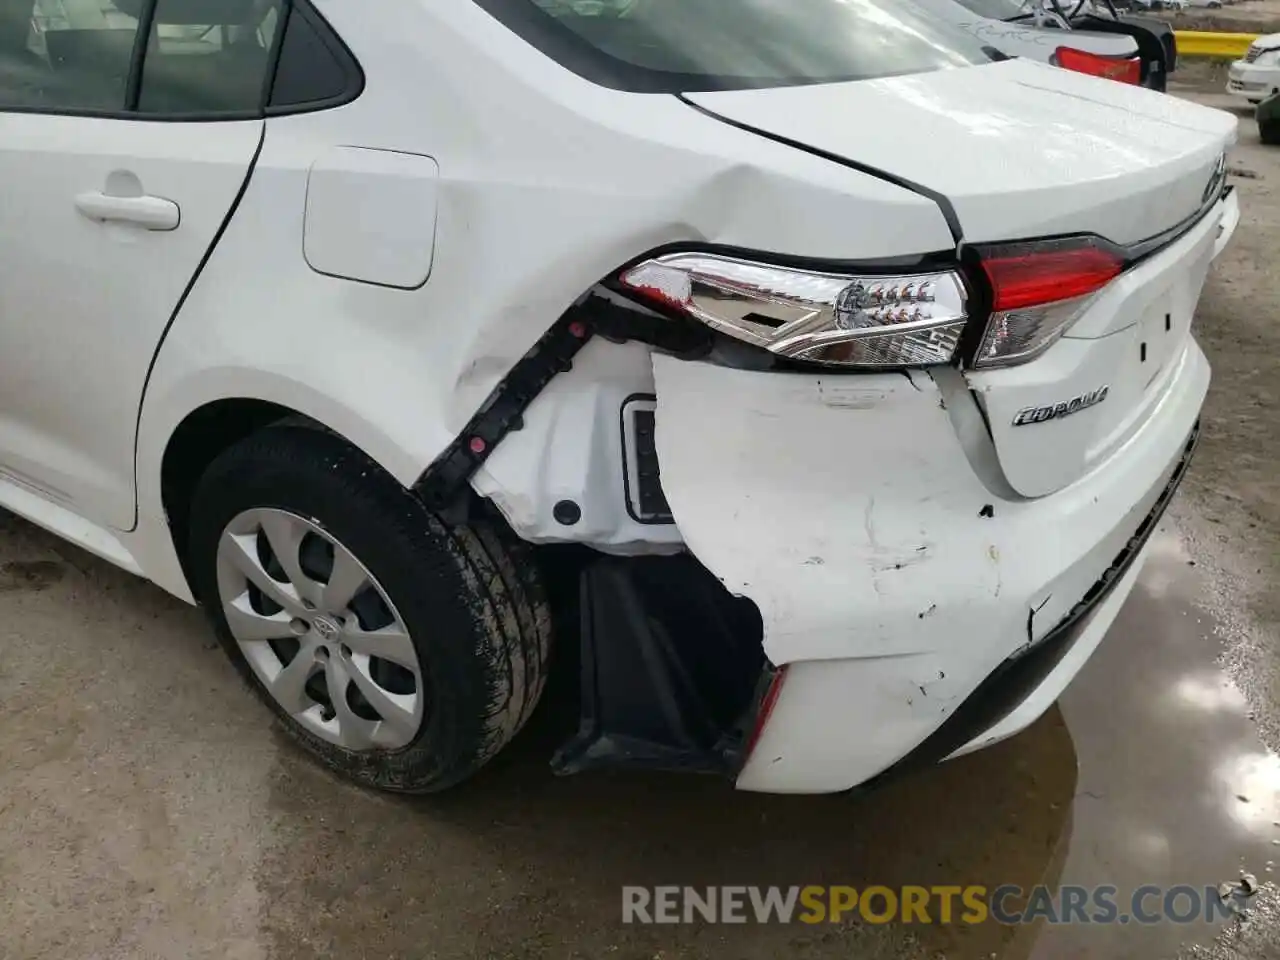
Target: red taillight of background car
1124,69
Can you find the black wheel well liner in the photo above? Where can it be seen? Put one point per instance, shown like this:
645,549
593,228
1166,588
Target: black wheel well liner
207,431
198,440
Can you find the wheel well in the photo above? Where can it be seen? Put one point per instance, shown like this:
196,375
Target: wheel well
197,442
209,430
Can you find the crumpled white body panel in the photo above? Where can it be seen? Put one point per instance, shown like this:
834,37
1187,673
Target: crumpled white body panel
846,508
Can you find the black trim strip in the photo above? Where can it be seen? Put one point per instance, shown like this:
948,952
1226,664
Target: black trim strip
447,477
195,276
288,10
1145,248
1132,254
137,60
937,261
442,483
944,204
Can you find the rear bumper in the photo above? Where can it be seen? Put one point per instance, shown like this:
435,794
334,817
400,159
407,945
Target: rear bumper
1022,688
890,580
1230,220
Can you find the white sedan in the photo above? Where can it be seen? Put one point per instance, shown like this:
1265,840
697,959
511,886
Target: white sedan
821,376
1257,75
1041,30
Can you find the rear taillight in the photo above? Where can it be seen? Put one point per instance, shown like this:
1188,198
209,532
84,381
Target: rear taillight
1124,69
765,708
1037,291
831,319
1035,277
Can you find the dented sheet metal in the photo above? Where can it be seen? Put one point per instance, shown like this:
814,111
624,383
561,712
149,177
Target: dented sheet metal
844,507
779,485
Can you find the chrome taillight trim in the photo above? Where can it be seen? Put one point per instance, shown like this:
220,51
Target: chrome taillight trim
799,313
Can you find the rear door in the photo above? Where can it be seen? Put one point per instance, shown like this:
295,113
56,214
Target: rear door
118,175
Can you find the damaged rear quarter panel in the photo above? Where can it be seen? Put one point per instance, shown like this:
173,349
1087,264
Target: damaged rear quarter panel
888,577
846,508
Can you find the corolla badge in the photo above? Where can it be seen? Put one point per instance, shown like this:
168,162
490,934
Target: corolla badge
1065,408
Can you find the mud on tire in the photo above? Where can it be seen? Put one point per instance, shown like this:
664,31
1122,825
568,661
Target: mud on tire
470,597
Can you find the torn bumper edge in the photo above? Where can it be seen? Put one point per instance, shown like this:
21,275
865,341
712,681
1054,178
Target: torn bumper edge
1230,220
1017,692
845,508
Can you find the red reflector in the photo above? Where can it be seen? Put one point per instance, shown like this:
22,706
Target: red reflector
1047,276
1124,69
767,703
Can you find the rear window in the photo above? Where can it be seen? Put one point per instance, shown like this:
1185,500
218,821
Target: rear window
677,45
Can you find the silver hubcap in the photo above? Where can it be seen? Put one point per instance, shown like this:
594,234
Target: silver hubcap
319,631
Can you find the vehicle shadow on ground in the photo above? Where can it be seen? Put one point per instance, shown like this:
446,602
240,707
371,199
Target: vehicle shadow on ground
519,863
515,864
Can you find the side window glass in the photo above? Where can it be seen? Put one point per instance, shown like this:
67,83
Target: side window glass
210,56
66,55
315,68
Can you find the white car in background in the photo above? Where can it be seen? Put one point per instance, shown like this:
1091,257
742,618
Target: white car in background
820,375
1257,75
1050,33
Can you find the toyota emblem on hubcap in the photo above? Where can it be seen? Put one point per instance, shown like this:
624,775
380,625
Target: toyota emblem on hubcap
325,627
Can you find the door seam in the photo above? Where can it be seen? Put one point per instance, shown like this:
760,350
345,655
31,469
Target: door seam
164,334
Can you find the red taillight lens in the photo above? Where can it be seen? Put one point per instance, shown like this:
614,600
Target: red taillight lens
1035,277
767,703
1038,290
1124,69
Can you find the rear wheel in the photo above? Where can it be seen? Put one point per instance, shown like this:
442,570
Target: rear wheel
400,652
1269,133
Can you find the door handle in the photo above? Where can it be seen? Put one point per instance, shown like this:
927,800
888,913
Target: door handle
150,213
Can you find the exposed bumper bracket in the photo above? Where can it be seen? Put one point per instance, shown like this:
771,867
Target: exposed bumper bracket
442,482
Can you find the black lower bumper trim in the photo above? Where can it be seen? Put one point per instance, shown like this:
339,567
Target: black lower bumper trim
1011,682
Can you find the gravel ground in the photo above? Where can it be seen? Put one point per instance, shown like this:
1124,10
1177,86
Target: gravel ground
1249,16
1230,506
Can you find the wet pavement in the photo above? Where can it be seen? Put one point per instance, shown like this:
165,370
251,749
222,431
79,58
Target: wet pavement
149,809
1174,784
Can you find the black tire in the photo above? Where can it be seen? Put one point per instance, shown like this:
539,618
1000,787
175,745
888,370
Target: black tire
1269,133
469,595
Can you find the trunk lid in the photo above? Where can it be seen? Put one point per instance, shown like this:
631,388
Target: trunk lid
1019,149
1025,151
1055,419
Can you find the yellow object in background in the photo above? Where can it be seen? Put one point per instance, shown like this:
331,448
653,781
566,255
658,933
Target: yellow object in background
1227,46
